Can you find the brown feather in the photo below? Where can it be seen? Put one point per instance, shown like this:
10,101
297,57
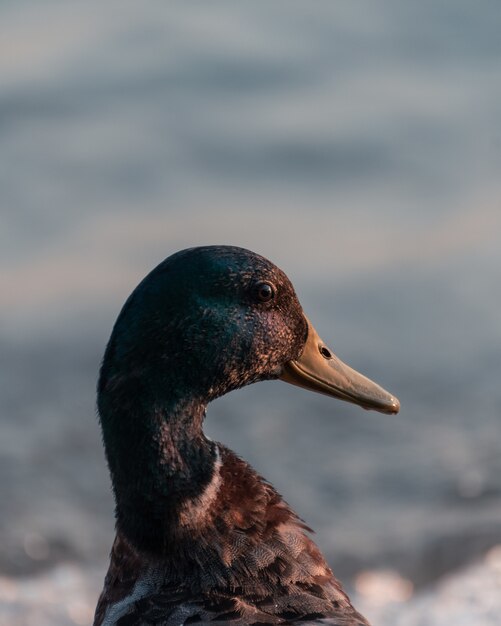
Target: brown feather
251,563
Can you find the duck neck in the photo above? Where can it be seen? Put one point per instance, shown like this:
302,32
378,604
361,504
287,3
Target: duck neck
159,459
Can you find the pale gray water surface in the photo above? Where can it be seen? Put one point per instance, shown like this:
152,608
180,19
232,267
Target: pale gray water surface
358,145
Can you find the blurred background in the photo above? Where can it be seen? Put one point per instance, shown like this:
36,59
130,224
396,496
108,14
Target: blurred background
357,144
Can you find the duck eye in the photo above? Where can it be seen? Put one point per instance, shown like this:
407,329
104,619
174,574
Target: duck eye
264,292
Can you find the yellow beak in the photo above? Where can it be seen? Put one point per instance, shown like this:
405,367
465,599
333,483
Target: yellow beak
318,369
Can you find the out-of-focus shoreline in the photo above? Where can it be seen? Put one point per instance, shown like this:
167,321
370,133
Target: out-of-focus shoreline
67,594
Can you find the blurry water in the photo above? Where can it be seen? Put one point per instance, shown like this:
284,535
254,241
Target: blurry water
356,144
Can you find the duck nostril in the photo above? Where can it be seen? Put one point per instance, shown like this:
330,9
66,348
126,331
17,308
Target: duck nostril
325,352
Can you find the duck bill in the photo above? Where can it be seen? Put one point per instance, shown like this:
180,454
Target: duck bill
318,369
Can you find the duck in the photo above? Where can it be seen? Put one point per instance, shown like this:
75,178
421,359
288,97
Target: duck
201,537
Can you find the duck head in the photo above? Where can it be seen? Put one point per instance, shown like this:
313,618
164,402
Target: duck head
212,319
204,322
